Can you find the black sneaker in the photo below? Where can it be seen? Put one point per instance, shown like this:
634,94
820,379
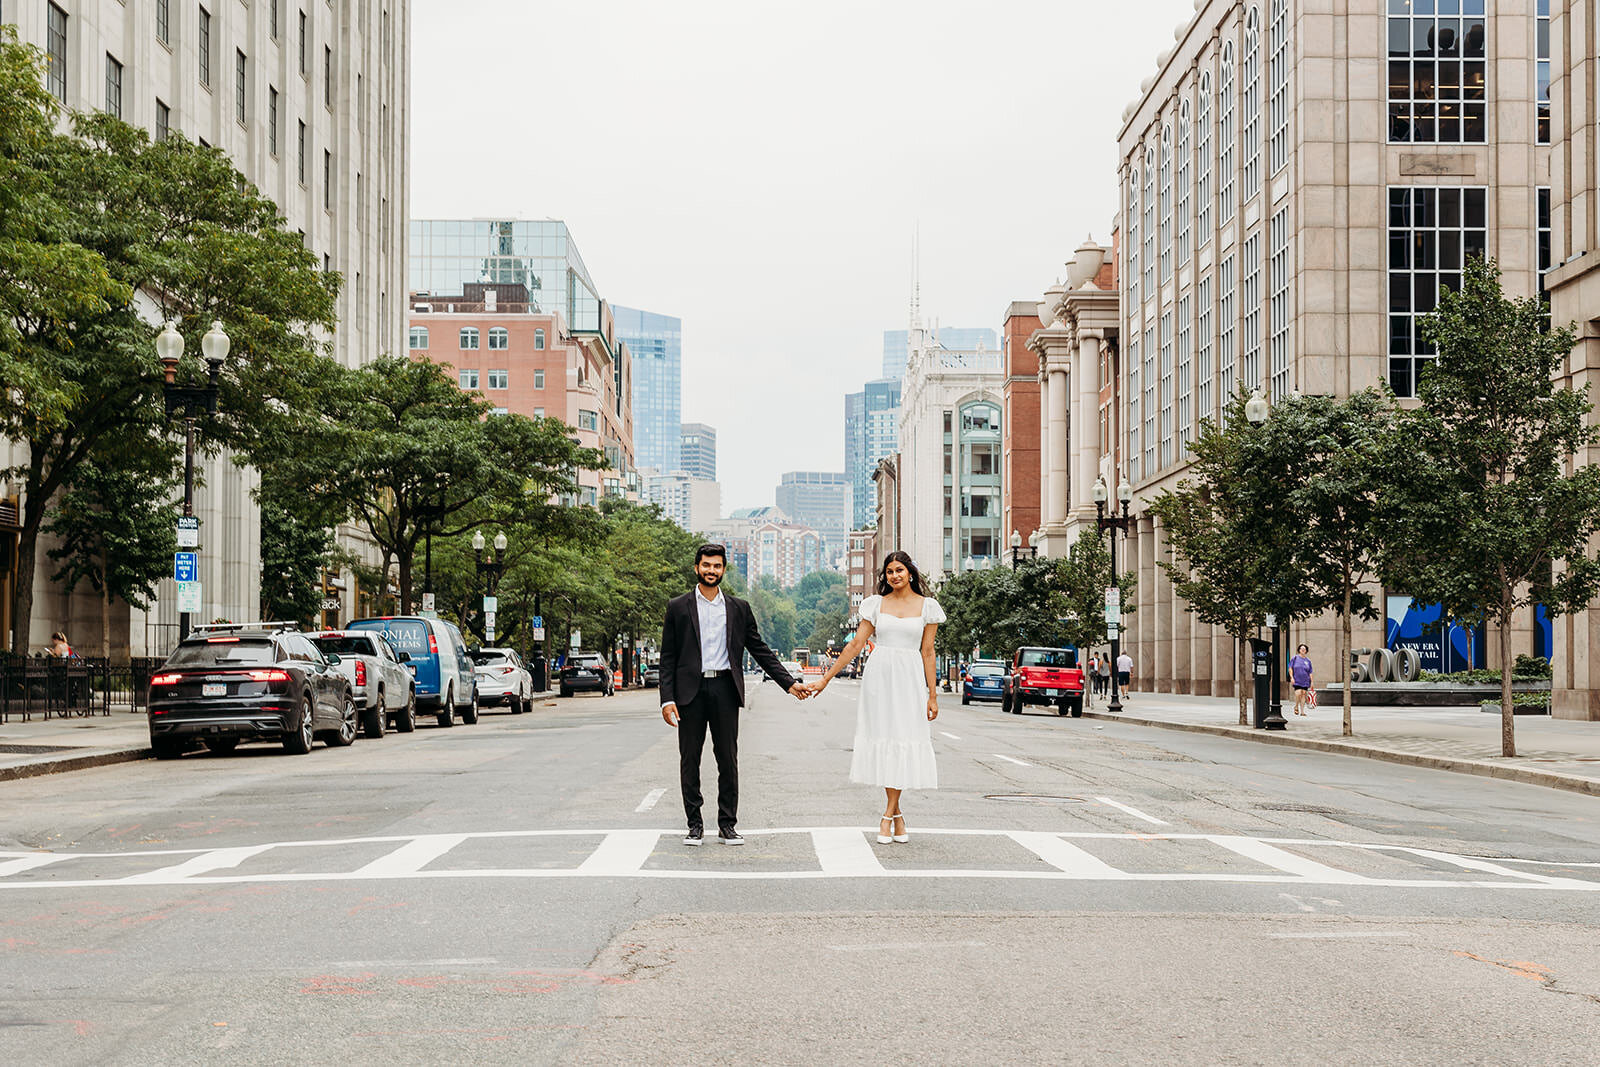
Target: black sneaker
730,836
695,836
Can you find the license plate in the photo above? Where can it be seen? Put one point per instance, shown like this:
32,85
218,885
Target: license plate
1052,692
214,689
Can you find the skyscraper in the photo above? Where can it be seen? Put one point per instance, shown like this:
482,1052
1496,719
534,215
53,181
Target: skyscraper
957,338
656,342
697,445
871,429
820,500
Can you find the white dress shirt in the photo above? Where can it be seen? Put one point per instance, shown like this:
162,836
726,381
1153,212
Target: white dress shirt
713,615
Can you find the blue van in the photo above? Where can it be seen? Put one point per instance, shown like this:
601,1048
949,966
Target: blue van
445,679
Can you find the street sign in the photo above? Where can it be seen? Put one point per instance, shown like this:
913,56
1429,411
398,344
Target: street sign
538,633
1113,614
577,639
188,531
427,602
488,634
538,622
1111,631
1272,620
491,604
1113,597
186,566
189,596
488,619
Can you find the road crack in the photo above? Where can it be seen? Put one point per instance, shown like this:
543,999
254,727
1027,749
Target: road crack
1536,972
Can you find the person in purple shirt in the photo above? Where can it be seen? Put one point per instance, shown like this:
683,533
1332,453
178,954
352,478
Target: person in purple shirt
1300,677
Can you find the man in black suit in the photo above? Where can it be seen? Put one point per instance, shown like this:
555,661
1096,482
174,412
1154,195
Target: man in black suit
703,642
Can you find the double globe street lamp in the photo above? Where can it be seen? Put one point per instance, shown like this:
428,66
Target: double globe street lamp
1115,523
191,401
489,572
1016,547
1256,411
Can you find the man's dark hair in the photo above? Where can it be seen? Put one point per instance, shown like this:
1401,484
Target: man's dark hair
710,549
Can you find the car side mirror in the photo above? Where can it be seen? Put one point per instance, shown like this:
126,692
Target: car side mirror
332,658
402,657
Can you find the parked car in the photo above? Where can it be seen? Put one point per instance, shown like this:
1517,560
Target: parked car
652,673
249,682
793,667
1045,676
984,679
382,686
437,660
502,679
586,670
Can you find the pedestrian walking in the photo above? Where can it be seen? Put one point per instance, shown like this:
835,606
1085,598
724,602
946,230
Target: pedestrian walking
1300,678
1124,671
1102,678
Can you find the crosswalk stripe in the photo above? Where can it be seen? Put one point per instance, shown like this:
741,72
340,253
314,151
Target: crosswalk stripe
29,863
1131,810
1064,856
1285,861
1468,863
215,860
845,853
412,857
1009,759
622,852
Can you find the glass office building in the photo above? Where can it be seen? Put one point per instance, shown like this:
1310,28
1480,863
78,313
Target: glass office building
697,450
871,432
446,254
956,338
656,342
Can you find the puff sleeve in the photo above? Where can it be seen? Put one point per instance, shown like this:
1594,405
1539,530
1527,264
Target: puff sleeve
932,613
869,608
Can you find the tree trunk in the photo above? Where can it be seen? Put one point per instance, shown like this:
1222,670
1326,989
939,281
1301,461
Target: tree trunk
405,585
105,621
22,619
1244,677
1508,718
1343,660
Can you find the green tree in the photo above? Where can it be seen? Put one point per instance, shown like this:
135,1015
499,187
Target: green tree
1081,579
1493,514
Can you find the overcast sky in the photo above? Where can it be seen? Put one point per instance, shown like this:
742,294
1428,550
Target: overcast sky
759,172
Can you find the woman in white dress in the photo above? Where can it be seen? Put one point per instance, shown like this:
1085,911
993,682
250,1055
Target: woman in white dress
894,743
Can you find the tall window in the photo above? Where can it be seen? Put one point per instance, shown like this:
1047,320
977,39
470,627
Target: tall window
1134,473
205,47
327,75
113,86
1133,235
1250,308
467,379
1251,116
1166,203
1185,409
469,338
327,180
1202,162
419,338
1543,251
499,339
1148,405
164,21
499,379
538,340
1278,82
1433,231
273,23
272,120
1278,306
1225,137
305,44
56,50
1227,332
301,153
1149,222
241,67
1183,183
1541,30
1202,350
163,120
1437,73
1166,389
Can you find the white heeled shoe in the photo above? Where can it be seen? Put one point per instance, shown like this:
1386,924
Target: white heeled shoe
902,837
883,838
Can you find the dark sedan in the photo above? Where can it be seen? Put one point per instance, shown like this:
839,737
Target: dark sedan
587,670
224,686
985,680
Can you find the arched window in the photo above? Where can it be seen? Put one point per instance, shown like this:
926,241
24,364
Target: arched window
1250,120
469,337
1149,222
1183,183
499,338
1166,203
1225,138
419,338
538,340
1202,162
1278,81
1131,228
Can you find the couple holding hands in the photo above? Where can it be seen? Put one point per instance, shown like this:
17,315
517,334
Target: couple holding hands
703,641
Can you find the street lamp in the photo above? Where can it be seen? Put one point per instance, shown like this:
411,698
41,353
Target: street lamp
1114,523
1016,547
489,571
191,401
1256,410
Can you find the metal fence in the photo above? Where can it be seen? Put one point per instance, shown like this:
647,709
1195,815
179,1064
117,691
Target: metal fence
51,686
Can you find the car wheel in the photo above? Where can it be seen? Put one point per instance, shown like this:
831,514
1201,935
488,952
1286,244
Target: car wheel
1005,702
166,749
469,714
349,725
377,718
447,710
222,745
566,692
965,699
298,738
1076,707
1063,706
405,720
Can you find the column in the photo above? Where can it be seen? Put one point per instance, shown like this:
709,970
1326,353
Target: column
1058,443
1086,425
1044,447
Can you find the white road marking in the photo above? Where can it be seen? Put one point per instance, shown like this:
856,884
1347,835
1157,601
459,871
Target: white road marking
1297,902
216,860
950,735
1273,856
1065,857
845,853
1333,935
411,858
650,799
896,946
479,961
1131,810
29,863
622,852
1470,864
1008,759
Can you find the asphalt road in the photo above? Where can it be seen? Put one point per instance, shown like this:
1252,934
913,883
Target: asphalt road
516,891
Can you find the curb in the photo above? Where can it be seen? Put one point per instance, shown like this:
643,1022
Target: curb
1551,779
74,763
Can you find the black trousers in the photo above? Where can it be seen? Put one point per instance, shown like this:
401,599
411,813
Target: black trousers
715,706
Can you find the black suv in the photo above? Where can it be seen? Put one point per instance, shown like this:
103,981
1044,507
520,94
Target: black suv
249,682
586,670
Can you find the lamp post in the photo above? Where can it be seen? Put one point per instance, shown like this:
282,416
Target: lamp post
192,401
1114,523
432,511
489,571
1016,547
1256,410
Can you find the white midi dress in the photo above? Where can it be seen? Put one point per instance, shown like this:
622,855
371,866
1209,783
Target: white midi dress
894,741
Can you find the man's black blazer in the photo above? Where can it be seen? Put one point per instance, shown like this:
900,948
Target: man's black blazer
680,649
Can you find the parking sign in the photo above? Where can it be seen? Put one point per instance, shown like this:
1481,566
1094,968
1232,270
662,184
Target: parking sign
186,566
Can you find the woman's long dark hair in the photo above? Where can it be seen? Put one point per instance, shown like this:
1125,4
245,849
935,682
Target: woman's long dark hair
883,575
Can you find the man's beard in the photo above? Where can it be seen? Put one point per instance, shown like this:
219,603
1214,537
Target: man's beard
711,579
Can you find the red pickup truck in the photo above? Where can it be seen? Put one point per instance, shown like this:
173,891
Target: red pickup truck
1047,676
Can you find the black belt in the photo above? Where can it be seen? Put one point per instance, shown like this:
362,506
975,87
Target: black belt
716,674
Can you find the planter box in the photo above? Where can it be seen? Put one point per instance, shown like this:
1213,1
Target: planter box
1421,694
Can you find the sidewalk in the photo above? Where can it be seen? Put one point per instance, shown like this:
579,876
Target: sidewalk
1559,753
45,746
